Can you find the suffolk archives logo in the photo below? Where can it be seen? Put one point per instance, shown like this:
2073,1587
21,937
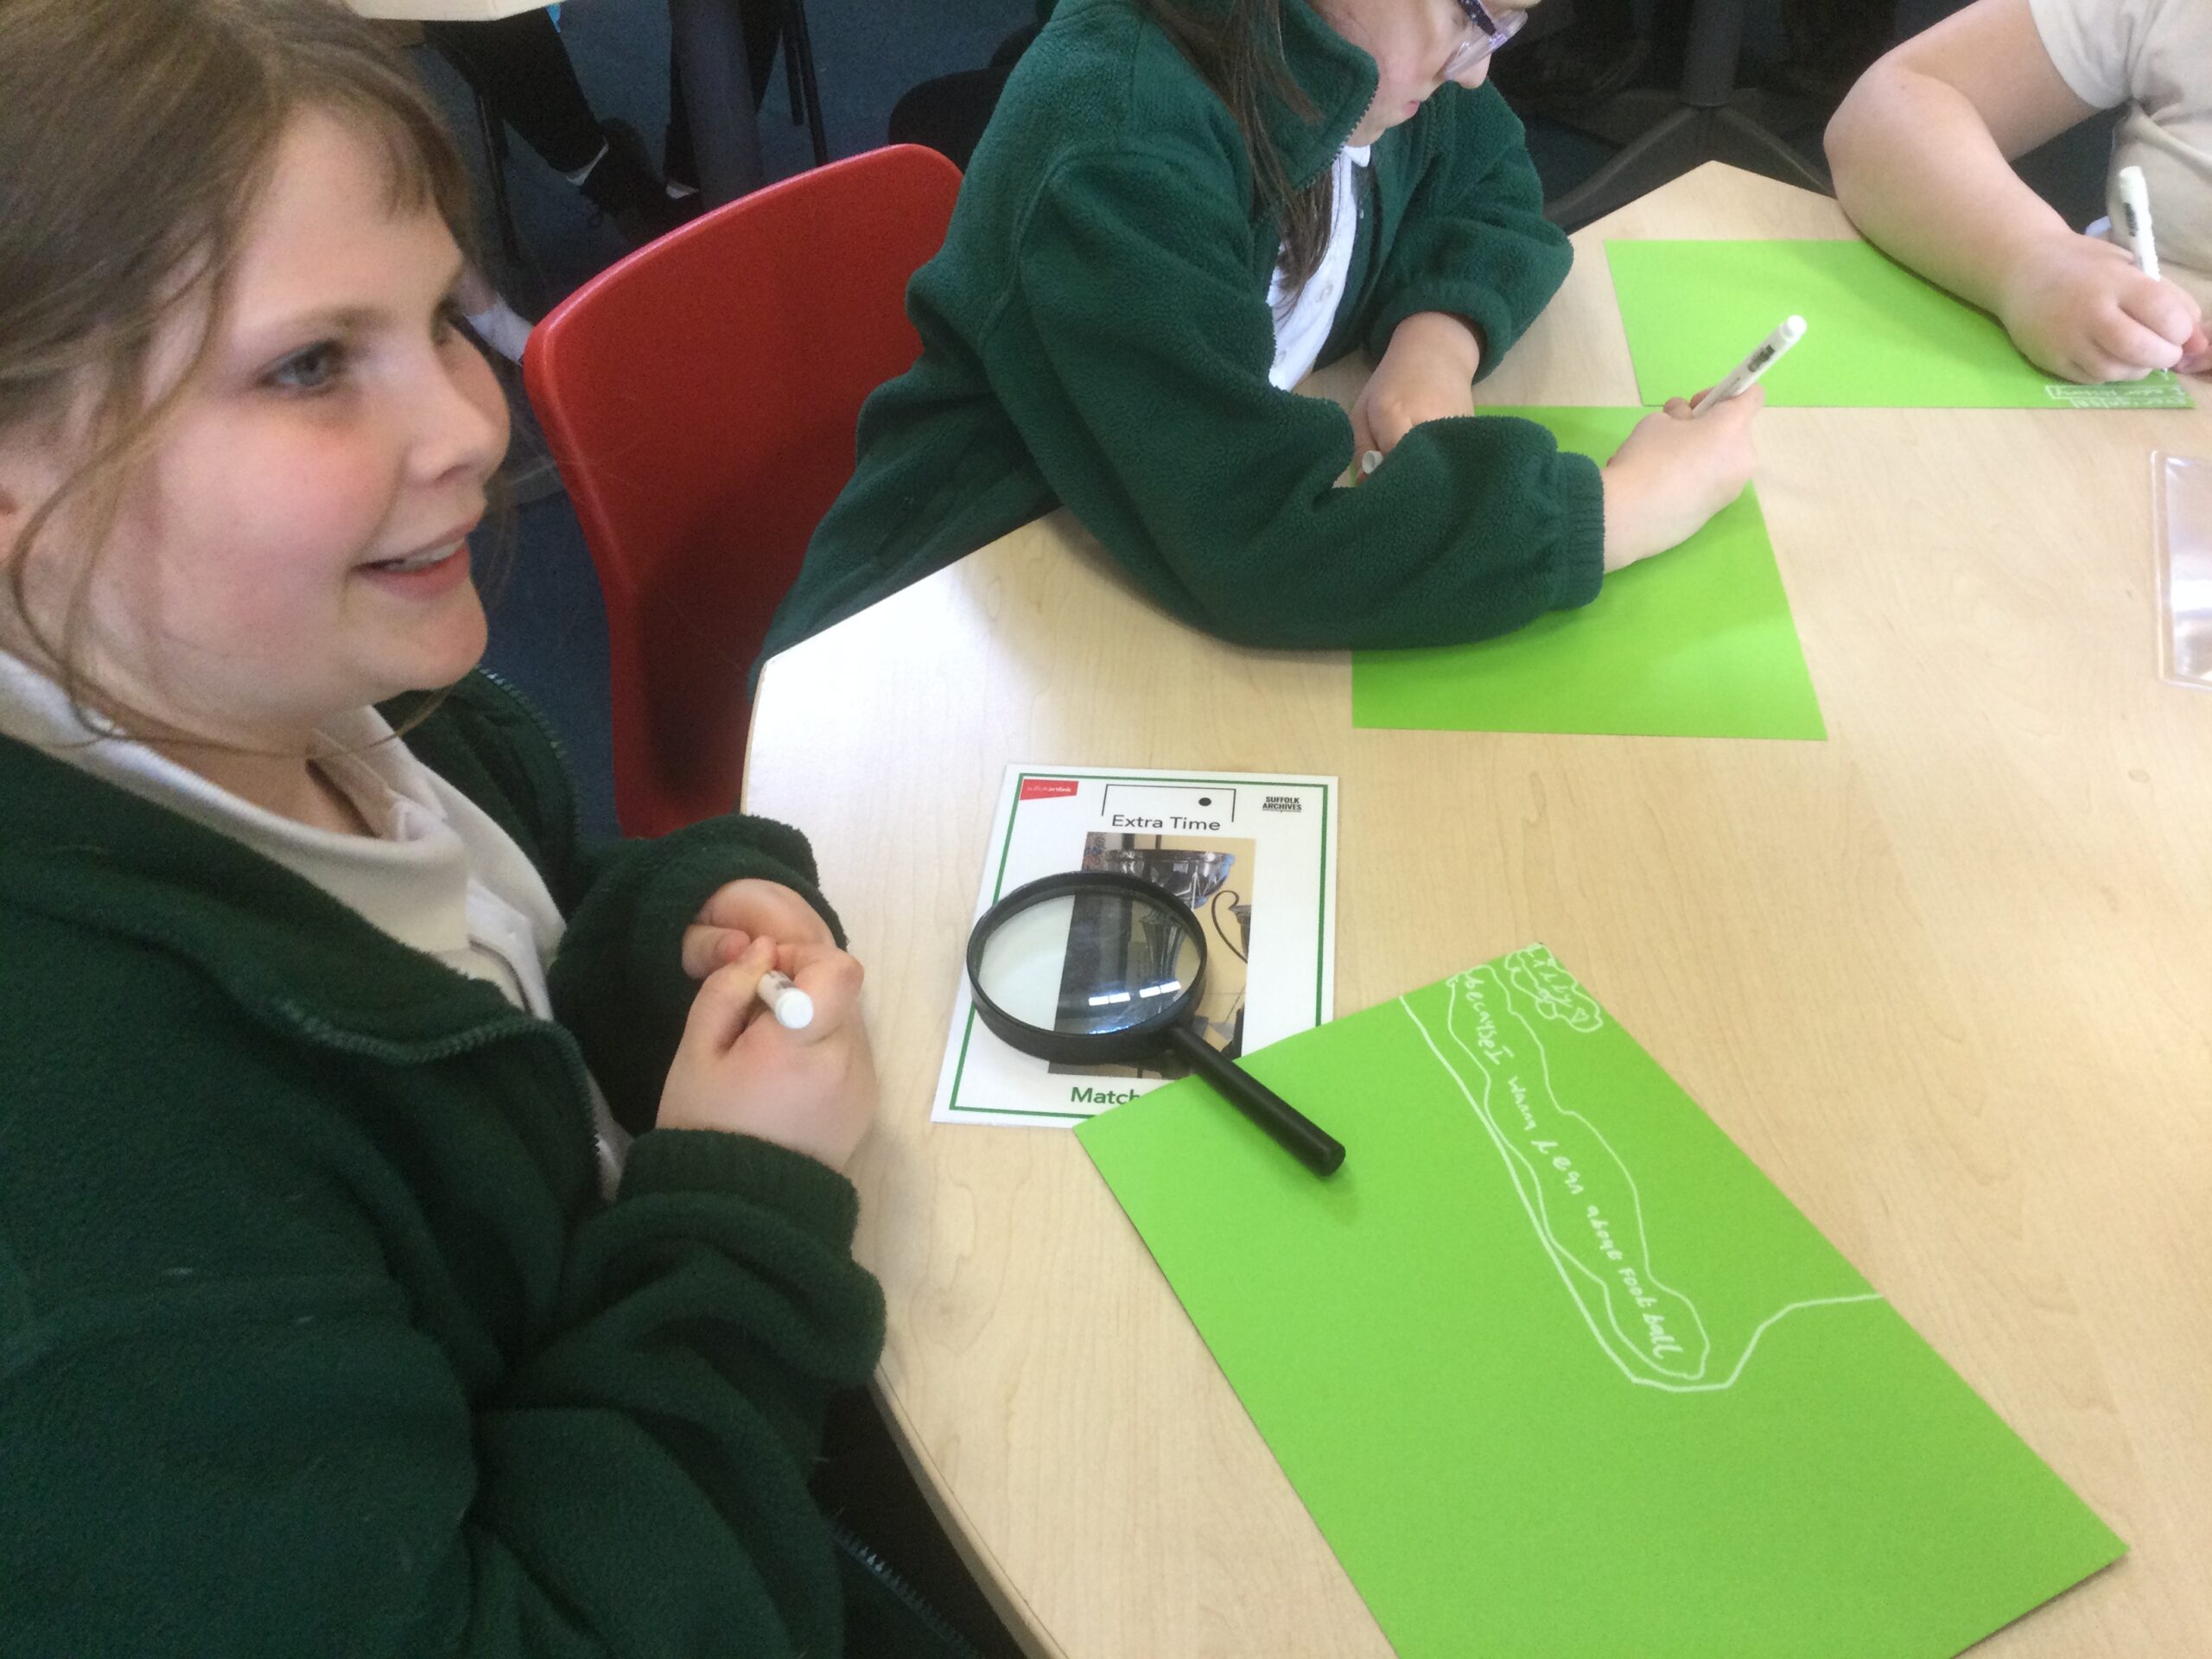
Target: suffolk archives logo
1281,804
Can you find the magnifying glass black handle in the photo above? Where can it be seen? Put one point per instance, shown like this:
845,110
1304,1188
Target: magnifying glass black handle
1298,1134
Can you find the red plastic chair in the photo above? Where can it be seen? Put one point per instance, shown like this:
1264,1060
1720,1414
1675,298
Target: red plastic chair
700,398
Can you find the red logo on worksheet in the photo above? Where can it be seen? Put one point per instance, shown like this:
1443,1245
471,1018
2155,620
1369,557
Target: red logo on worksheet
1046,789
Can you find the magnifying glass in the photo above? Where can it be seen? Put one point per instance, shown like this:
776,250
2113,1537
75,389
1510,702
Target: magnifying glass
1091,968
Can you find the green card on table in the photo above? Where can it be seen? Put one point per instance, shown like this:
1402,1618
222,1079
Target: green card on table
1876,335
1559,1372
1695,642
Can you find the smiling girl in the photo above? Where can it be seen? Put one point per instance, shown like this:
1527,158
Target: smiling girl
1180,206
413,1239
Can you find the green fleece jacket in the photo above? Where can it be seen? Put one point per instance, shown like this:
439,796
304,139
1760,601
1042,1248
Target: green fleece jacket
1095,332
316,1337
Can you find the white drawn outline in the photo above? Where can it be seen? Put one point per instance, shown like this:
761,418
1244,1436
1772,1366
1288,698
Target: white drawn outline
1540,1223
1531,970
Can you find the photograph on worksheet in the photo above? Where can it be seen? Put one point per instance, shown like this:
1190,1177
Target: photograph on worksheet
1251,857
1214,876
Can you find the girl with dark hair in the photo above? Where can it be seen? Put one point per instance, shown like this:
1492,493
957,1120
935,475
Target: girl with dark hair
1180,207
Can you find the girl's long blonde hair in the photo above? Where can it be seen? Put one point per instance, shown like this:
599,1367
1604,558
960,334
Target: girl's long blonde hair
137,136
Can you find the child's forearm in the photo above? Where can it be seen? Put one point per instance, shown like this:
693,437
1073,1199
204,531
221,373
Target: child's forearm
1920,173
1439,335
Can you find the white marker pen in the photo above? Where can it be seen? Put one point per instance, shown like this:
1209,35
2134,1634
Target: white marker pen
2135,205
1370,462
1747,373
794,1008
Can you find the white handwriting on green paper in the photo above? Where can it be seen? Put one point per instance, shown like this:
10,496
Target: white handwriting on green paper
1556,1155
1580,1197
2159,390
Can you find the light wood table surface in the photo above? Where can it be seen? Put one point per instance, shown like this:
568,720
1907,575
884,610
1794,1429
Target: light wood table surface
1946,977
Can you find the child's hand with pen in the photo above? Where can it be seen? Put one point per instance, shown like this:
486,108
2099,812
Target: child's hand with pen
1680,467
775,1045
1677,470
1684,464
2079,307
2092,313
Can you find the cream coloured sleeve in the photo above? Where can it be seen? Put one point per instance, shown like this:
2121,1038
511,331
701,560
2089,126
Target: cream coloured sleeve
2094,44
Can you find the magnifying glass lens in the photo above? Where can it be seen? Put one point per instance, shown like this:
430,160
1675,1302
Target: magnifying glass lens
1101,966
1089,963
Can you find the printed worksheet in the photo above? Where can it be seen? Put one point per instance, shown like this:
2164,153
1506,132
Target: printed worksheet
1252,854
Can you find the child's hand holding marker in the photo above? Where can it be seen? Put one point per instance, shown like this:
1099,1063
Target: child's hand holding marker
775,1046
802,1076
2135,208
2082,308
1679,466
1748,373
793,1008
1684,464
1676,470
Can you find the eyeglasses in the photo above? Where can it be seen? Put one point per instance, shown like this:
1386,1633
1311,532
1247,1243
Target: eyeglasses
1492,30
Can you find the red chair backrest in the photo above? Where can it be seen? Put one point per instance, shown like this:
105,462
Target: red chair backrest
700,398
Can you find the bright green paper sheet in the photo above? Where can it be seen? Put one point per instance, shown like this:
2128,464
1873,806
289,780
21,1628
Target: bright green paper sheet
1695,642
1876,335
1558,1373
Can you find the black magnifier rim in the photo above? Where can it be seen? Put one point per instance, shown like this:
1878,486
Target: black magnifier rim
1074,1047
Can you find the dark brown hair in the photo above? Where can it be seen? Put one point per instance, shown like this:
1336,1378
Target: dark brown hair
138,135
1239,55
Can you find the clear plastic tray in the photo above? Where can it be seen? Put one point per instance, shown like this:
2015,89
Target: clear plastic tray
2181,496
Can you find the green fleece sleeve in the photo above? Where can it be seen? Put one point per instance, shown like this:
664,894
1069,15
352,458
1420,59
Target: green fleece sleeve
1142,391
647,1468
1474,241
259,1462
618,980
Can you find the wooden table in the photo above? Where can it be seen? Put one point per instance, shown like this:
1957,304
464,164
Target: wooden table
1946,977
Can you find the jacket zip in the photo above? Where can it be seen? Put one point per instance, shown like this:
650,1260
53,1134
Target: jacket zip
544,728
911,1598
318,1030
